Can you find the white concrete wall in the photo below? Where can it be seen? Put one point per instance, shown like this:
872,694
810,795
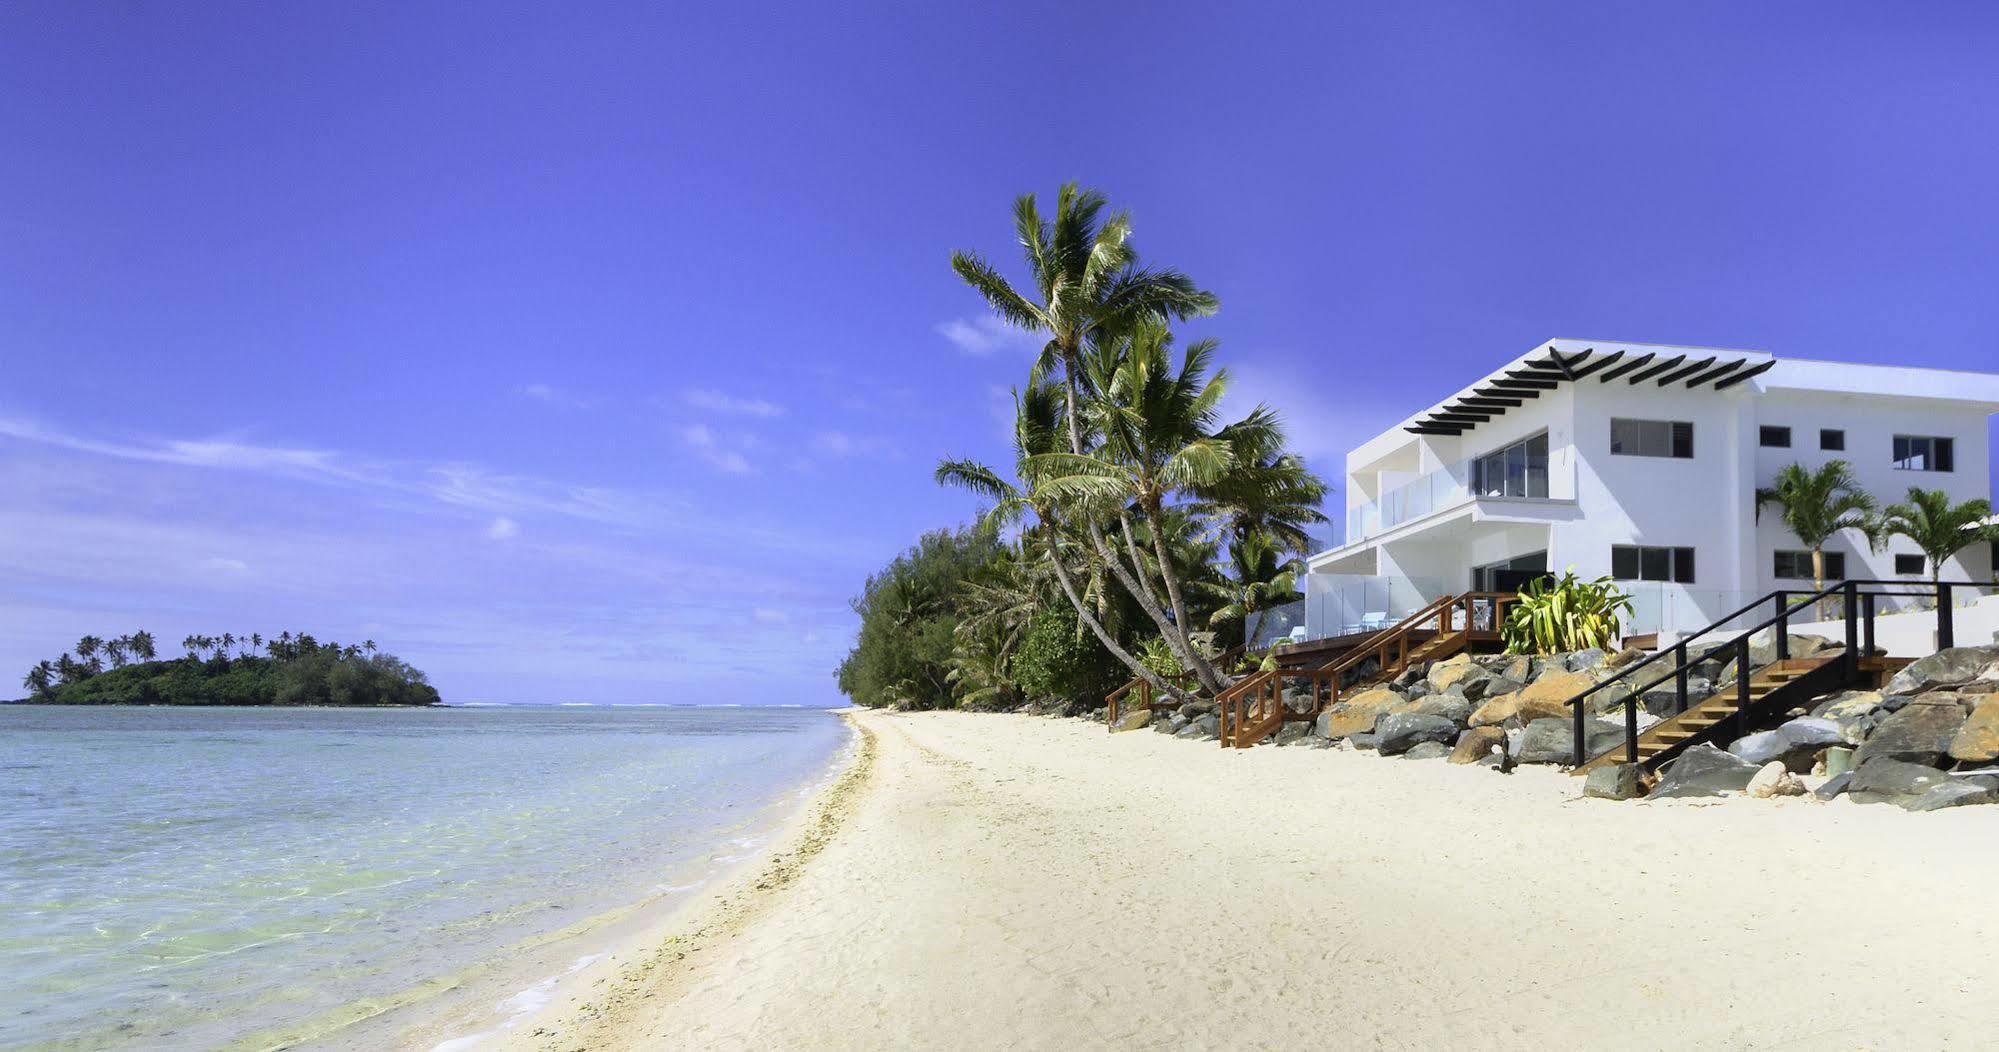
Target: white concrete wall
1914,634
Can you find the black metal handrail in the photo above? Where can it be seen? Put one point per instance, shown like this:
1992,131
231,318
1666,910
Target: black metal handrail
1851,613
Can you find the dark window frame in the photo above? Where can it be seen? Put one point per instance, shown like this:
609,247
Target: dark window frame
1801,565
1494,470
1832,439
1665,564
1902,560
1936,453
1773,436
1675,442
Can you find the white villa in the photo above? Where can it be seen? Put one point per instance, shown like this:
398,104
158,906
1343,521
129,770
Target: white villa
1641,461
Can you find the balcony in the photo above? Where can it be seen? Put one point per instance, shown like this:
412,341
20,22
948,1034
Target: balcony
1519,471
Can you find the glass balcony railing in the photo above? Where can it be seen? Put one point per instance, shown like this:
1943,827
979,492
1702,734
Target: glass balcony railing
1519,470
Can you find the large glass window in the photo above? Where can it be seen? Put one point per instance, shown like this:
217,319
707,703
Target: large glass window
1797,566
1652,438
1924,453
1631,562
1518,470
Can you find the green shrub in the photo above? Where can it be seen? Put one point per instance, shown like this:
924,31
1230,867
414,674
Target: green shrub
1058,658
1553,616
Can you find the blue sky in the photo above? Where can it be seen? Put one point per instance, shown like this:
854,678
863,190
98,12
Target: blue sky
600,354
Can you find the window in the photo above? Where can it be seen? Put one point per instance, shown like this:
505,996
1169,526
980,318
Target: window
1797,566
1630,562
1923,453
1832,438
1908,564
1652,438
1777,437
1519,470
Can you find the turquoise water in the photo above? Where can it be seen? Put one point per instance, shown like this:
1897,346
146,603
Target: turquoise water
184,878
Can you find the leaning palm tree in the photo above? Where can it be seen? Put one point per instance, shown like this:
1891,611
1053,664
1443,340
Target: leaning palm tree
1260,579
1939,528
1088,286
40,679
1035,435
1817,505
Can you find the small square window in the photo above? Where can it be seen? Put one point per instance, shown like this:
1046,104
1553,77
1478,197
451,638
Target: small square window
1909,564
1832,439
1775,437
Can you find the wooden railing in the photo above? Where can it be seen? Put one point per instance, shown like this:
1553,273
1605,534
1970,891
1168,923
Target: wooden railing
1141,689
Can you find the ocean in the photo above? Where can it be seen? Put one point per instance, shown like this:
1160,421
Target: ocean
202,878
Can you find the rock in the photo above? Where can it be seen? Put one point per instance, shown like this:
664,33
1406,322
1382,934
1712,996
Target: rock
1554,740
1857,712
1364,740
1411,676
1519,668
1890,781
1168,724
1951,794
1626,656
1704,770
1773,779
1291,731
1619,781
1797,744
1475,745
1663,700
1545,698
1310,741
1194,709
1449,706
1134,719
1399,731
1491,687
1357,714
1454,670
1834,786
1416,689
1977,741
1583,660
1945,668
1201,728
1921,732
1427,751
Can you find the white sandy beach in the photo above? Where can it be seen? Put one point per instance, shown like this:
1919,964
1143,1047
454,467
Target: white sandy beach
1010,881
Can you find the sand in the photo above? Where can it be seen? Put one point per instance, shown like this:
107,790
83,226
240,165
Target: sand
1012,881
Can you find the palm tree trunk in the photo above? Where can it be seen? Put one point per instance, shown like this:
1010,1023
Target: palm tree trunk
1089,618
1198,663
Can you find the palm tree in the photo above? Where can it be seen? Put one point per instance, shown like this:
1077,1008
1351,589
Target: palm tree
1089,286
1266,491
142,646
256,642
1816,505
1035,436
69,670
1939,528
115,650
40,679
1260,579
86,652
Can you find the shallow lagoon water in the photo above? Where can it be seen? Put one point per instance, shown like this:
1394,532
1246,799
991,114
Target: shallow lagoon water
183,878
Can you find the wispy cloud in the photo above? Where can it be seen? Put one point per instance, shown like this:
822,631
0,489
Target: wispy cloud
502,529
988,335
223,453
708,446
720,402
546,394
842,444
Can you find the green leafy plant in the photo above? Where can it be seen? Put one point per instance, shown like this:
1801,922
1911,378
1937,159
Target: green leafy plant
1552,615
1156,654
1939,528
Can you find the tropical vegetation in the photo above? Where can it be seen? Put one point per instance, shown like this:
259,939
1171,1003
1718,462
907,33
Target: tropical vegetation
1554,615
1936,526
1137,532
1817,505
227,669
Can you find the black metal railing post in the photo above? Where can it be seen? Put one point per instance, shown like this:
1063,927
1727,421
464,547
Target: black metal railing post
1631,728
1742,686
1680,678
1581,733
1783,626
1852,614
1946,633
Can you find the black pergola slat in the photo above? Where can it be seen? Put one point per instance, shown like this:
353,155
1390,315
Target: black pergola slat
1536,374
1716,374
1681,374
1433,429
1657,369
1522,392
1508,403
1456,418
1591,368
1635,363
1524,385
1744,375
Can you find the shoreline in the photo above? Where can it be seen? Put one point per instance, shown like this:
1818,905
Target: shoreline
505,1007
1034,882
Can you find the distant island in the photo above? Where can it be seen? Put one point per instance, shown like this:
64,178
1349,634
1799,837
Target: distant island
290,669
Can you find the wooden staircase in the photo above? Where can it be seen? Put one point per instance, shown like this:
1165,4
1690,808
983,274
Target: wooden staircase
1728,713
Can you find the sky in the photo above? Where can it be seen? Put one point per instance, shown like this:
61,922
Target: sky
600,354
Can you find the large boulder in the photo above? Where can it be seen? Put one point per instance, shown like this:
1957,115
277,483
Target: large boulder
1291,731
1951,667
1452,707
1545,698
1491,687
1921,732
1977,741
1399,731
1663,700
1452,671
1857,712
1554,740
1619,781
1796,744
1954,794
1704,770
1890,781
1427,751
1476,744
1201,728
1133,719
1583,660
1357,714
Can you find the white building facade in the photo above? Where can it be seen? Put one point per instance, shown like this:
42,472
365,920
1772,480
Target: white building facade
1642,462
